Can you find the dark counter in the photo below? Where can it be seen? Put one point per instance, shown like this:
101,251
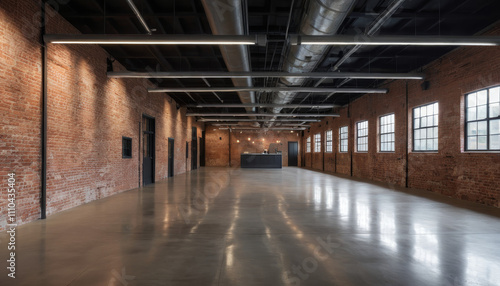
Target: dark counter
261,161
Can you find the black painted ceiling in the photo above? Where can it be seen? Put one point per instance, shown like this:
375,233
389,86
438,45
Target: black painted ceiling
270,17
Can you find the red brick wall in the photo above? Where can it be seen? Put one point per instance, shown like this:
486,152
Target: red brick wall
20,117
216,147
87,116
451,171
219,146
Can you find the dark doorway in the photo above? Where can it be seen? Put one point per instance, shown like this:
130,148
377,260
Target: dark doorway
171,152
202,149
194,149
148,150
293,154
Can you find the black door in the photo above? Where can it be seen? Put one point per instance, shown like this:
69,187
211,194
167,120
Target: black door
194,149
293,153
148,151
171,157
202,149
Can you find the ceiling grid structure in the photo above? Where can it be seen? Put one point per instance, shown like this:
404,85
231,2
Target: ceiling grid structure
281,23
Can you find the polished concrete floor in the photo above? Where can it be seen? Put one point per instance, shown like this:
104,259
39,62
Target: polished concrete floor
262,227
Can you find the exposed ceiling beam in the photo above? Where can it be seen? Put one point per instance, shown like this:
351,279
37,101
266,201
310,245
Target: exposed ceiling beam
353,75
265,114
397,40
272,89
177,39
262,105
139,16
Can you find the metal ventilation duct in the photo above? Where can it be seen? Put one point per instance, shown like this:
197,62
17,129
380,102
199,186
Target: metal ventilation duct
323,18
226,18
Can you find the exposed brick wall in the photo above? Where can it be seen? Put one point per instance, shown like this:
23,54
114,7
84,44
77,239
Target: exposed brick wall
20,117
219,146
451,171
87,116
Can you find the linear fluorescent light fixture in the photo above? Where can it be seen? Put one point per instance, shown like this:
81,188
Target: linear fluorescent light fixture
261,105
342,75
397,40
266,128
256,120
116,39
265,114
272,89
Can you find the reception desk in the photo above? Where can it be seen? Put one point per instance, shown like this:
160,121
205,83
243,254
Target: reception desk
261,160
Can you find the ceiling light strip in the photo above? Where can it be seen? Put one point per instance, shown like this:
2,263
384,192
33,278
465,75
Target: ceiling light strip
265,114
263,128
117,39
397,40
256,120
261,105
272,89
341,75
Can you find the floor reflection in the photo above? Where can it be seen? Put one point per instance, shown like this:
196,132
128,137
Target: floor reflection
221,226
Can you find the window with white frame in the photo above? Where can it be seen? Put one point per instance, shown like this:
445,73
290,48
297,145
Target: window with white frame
482,117
425,127
387,133
329,139
308,144
317,142
362,136
343,139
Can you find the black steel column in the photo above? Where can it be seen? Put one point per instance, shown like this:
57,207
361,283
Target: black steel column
43,197
407,136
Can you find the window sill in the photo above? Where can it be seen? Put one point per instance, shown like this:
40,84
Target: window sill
482,152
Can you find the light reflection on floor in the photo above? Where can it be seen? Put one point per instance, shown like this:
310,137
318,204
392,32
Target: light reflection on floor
264,227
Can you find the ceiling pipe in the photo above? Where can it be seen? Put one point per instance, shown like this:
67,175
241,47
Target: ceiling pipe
262,105
226,18
204,75
370,30
139,16
271,89
324,17
265,114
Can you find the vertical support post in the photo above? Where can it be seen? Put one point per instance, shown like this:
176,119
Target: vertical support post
352,133
407,136
139,139
43,195
229,135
